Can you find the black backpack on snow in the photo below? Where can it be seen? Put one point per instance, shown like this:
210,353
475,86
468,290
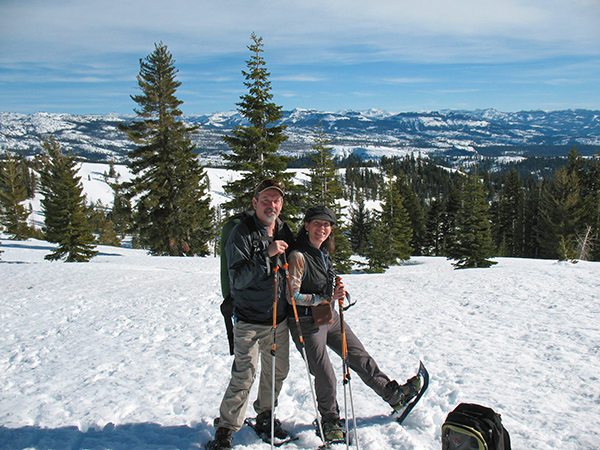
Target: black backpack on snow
474,427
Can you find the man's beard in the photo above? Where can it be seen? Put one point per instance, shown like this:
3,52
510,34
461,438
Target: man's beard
270,215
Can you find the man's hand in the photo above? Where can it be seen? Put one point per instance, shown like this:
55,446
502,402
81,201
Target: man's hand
277,248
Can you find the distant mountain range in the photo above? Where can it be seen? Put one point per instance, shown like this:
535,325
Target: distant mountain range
365,134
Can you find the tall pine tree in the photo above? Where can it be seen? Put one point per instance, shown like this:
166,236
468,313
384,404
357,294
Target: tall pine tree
64,208
415,211
594,210
434,237
172,213
395,217
377,250
588,173
561,217
449,230
324,185
360,225
255,145
509,217
531,219
13,192
325,189
474,244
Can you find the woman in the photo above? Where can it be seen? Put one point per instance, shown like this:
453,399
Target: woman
312,287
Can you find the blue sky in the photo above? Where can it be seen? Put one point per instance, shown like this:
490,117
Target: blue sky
82,56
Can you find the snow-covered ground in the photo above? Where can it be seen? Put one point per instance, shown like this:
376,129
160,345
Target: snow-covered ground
129,351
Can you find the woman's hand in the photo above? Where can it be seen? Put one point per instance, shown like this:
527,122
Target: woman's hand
339,292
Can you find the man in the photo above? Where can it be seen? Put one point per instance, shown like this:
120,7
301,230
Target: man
252,251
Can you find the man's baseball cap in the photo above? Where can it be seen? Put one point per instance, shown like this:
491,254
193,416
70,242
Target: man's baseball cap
268,184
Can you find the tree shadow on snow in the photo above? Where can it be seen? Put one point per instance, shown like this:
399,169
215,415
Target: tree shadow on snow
28,246
49,248
114,437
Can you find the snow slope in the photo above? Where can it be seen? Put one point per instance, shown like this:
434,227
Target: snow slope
129,351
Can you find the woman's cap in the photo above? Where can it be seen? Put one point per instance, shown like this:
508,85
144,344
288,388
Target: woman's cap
320,213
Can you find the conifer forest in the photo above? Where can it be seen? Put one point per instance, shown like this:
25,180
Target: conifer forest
390,208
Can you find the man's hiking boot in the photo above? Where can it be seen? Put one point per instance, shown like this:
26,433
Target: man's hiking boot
333,431
399,396
222,440
263,425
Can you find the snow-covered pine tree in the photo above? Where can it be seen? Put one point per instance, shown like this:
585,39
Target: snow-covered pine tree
13,192
172,213
65,221
255,144
474,244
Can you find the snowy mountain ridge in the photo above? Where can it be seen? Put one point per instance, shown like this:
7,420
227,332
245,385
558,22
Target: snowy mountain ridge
366,134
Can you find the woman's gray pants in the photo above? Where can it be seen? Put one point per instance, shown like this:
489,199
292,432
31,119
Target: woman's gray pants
316,341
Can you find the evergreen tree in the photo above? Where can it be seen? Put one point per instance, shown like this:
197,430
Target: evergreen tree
474,246
378,247
396,218
594,212
531,219
172,215
107,234
13,192
121,214
64,207
434,238
101,225
414,208
449,227
324,185
509,218
255,145
562,214
343,251
588,173
360,226
325,189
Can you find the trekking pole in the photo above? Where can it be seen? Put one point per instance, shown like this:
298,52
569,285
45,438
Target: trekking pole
346,373
274,348
302,346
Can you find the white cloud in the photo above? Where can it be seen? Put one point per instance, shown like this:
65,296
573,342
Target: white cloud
300,31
